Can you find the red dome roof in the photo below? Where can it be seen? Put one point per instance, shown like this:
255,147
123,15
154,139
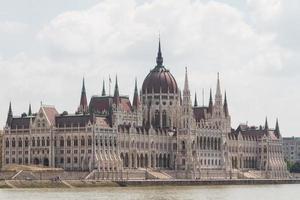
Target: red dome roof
159,79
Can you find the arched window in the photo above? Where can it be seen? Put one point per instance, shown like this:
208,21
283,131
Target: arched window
115,141
164,119
48,142
89,141
20,142
62,142
38,142
75,141
183,145
201,143
82,141
68,141
216,144
33,142
208,143
101,142
26,142
43,141
105,141
7,143
157,118
13,142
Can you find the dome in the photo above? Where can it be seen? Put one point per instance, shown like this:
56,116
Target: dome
159,79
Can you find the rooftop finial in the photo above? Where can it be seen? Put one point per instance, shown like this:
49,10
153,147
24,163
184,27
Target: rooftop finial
159,58
266,124
83,107
195,101
210,105
9,115
136,101
225,106
103,89
277,130
29,110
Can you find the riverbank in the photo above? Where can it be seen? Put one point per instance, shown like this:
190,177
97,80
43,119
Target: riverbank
134,183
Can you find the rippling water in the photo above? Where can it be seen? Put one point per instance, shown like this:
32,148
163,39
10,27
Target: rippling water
245,192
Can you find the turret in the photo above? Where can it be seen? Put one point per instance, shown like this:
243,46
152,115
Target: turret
136,100
218,96
266,125
186,89
103,89
225,106
195,101
277,130
83,107
116,93
186,103
159,58
29,110
9,115
210,105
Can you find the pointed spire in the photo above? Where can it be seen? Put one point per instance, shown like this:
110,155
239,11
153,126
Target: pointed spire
159,58
210,106
218,85
266,124
136,100
218,95
186,90
277,130
83,107
225,106
103,89
29,110
9,115
195,101
116,92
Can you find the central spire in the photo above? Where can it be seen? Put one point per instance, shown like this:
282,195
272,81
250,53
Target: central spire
159,58
83,106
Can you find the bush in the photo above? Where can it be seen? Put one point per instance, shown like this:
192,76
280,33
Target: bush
295,168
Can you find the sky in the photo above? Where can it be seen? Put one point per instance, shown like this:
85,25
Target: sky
47,47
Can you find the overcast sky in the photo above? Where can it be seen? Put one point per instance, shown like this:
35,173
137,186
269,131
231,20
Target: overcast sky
46,47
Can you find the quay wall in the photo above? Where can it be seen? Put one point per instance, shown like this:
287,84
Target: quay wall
178,182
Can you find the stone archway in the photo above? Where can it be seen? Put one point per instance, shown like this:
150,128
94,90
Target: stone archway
164,161
126,160
36,161
46,162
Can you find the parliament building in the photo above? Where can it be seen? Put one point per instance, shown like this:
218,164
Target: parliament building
160,129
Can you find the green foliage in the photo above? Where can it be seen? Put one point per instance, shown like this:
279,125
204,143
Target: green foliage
293,167
289,165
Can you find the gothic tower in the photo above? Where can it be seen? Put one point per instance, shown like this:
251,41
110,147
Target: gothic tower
83,106
160,96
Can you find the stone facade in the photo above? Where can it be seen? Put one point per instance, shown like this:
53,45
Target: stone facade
1,152
160,129
291,148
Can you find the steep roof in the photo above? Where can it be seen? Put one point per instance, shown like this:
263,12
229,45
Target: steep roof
21,122
99,104
199,113
72,120
51,113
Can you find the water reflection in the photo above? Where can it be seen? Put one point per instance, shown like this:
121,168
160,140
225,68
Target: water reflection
246,192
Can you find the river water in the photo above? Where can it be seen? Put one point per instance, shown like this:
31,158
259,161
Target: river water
241,192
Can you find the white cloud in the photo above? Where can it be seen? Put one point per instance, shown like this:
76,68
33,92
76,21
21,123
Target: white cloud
121,37
11,27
